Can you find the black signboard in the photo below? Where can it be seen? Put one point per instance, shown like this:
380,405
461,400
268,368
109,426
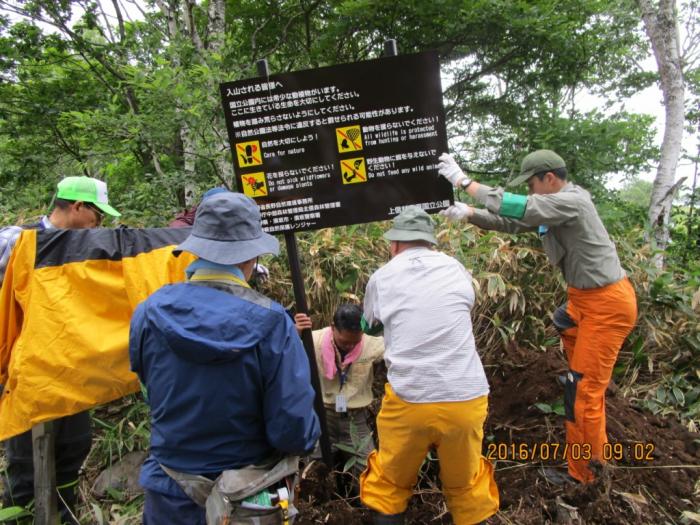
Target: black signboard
340,145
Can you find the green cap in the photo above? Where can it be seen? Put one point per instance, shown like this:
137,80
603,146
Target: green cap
537,162
86,189
412,224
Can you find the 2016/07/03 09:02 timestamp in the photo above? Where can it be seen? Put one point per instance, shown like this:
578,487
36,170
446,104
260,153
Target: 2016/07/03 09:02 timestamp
638,451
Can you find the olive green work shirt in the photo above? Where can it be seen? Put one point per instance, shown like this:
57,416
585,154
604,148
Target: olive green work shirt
573,236
358,386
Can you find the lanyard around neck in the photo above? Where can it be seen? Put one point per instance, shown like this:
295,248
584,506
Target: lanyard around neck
342,371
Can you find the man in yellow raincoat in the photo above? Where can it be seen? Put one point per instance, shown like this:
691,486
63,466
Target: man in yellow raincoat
81,202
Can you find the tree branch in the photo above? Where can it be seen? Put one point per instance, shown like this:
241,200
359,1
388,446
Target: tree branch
107,24
120,20
66,146
190,25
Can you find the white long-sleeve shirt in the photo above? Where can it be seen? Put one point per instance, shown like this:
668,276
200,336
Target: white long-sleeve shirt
424,300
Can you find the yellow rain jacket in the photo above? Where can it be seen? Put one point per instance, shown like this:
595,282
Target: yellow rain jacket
65,306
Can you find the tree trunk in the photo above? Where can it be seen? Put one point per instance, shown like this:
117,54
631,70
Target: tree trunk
170,12
188,8
661,26
217,25
188,156
216,32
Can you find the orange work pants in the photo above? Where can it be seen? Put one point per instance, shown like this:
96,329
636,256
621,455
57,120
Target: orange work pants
406,433
597,321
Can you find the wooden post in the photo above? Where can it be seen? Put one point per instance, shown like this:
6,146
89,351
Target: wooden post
45,508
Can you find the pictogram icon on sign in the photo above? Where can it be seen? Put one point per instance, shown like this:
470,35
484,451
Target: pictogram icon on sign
249,154
254,184
349,138
353,170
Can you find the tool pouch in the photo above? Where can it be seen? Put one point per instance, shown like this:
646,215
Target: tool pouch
223,498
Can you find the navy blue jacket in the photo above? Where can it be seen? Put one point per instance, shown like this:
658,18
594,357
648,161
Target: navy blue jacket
227,378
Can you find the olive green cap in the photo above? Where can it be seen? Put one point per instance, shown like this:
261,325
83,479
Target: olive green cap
412,224
537,162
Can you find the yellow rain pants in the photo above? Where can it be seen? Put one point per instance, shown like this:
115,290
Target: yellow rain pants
602,319
406,433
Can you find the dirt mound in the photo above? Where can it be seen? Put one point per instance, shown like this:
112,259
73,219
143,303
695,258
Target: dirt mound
639,485
646,482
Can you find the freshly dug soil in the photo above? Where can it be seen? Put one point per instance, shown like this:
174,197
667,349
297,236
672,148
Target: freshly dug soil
649,482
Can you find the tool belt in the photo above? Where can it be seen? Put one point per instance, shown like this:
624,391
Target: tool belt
230,498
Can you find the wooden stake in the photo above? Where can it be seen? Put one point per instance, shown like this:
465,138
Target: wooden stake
45,507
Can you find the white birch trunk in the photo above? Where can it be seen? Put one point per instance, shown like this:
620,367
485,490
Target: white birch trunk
661,26
216,37
189,143
172,13
171,16
189,146
188,15
216,32
217,25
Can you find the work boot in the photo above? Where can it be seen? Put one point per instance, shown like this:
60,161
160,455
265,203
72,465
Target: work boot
388,519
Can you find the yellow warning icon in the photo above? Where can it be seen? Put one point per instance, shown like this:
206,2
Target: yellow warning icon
349,138
254,184
353,171
249,154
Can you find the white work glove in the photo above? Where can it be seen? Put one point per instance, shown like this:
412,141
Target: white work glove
448,168
262,274
458,212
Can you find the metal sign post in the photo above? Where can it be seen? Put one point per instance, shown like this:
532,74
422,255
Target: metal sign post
301,307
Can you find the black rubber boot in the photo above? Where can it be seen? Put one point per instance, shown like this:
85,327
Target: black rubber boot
388,519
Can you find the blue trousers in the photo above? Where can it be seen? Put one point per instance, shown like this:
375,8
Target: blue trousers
160,509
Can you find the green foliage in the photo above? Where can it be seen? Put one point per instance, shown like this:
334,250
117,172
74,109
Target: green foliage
337,264
129,432
685,228
636,191
676,395
138,103
12,513
557,408
356,449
